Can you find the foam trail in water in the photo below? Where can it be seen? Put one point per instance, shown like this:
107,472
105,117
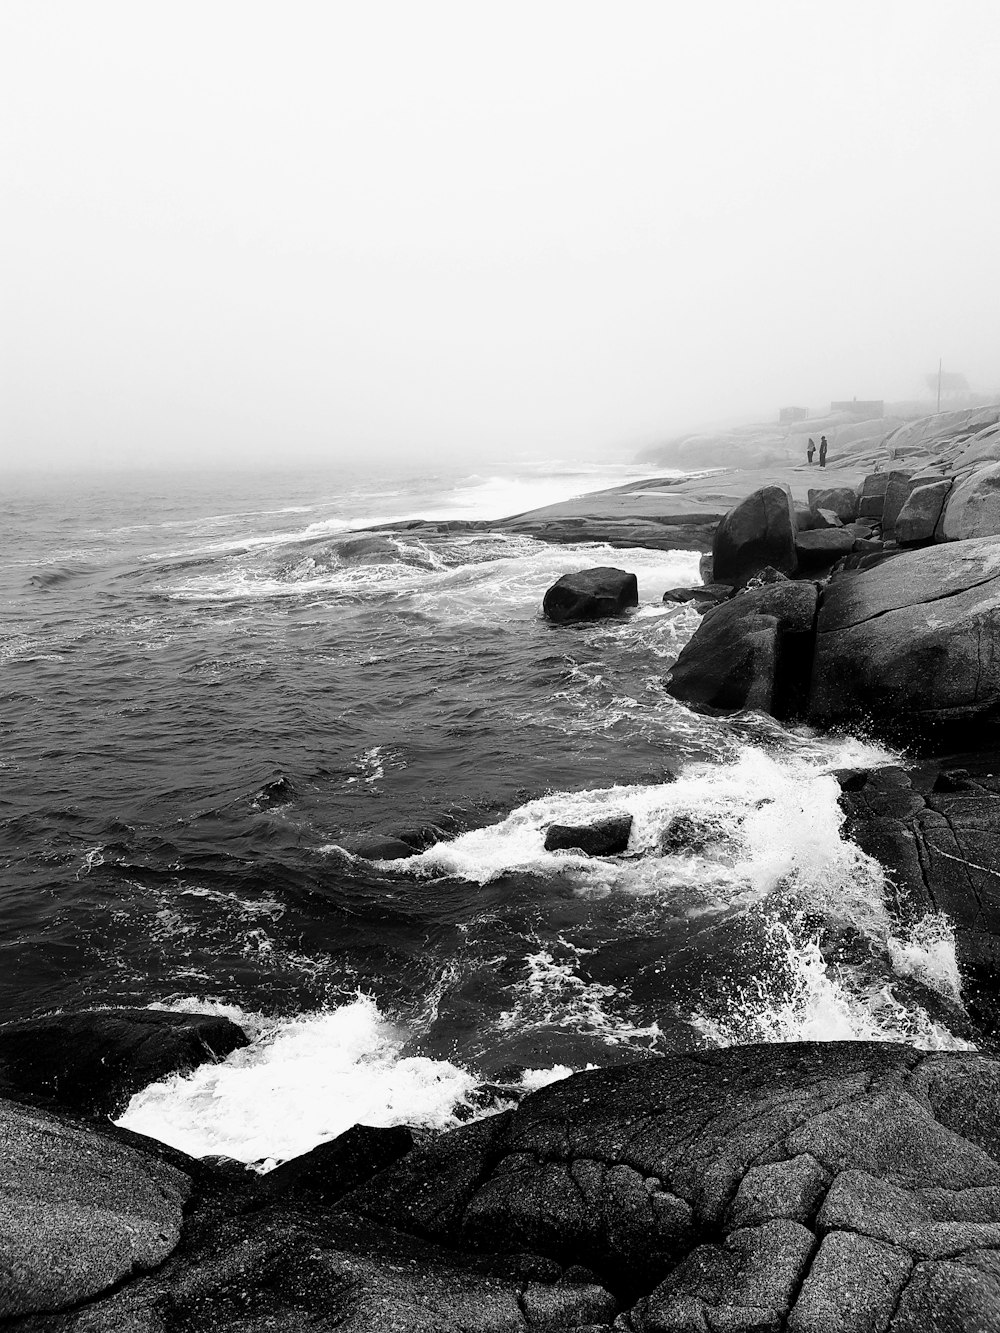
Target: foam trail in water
302,1081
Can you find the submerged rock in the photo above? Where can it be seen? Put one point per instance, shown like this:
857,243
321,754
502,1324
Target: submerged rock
604,837
752,652
376,847
95,1060
760,531
591,594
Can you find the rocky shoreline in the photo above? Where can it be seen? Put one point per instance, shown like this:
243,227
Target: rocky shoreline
801,1186
815,1188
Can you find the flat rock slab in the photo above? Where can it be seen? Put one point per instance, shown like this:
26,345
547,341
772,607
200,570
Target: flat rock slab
79,1212
739,1188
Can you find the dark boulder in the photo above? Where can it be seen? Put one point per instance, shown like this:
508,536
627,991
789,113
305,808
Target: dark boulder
752,652
915,640
826,518
703,597
591,594
328,1171
604,837
871,496
840,500
95,1060
823,547
896,492
918,519
760,531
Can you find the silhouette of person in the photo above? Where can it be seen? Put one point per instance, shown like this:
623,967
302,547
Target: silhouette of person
810,450
822,451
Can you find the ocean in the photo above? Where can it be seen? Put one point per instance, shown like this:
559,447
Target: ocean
211,684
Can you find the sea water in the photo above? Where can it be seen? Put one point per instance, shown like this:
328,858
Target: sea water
213,684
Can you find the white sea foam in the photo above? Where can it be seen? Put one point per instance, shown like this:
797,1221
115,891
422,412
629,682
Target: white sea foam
302,1081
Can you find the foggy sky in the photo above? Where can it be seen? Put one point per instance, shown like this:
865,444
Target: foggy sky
333,230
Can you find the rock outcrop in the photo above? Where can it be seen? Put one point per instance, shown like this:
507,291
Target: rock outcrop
916,639
80,1211
938,835
94,1061
751,1188
754,651
972,508
591,594
758,532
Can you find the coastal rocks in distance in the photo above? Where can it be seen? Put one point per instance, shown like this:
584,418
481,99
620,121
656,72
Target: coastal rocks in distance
759,531
591,594
916,639
603,837
94,1061
81,1211
917,521
737,1188
753,652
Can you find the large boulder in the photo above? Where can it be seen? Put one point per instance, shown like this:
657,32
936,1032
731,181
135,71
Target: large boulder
733,1186
823,547
918,519
897,489
80,1211
95,1060
591,594
760,531
973,507
840,500
754,651
871,497
915,640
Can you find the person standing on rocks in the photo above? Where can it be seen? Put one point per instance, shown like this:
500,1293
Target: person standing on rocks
822,451
810,450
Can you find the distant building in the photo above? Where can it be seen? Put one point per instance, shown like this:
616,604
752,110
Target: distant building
788,415
865,408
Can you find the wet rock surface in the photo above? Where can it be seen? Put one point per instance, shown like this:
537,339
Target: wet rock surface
95,1060
754,651
801,1186
591,594
603,837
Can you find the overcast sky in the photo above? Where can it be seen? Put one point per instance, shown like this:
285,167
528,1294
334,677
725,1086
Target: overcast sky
242,230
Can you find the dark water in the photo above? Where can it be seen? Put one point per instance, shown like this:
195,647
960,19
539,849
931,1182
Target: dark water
211,683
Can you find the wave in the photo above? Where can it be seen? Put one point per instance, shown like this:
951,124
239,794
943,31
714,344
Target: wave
302,1081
